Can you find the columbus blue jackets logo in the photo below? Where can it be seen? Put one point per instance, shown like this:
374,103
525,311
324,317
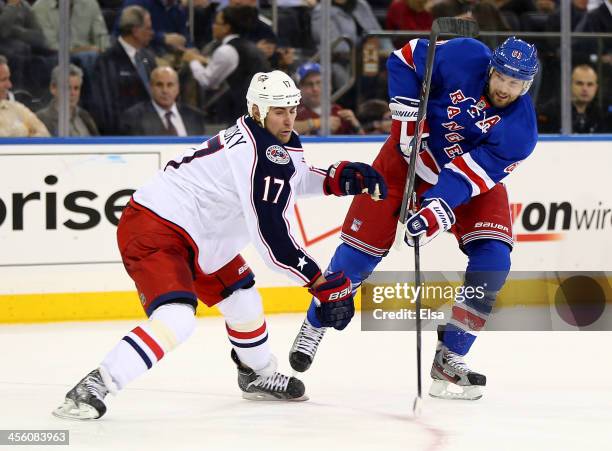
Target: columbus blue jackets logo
276,154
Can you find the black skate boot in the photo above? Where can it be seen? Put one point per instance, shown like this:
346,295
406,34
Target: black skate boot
268,385
305,346
86,400
452,379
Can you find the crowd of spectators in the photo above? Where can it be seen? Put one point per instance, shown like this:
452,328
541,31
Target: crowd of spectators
137,69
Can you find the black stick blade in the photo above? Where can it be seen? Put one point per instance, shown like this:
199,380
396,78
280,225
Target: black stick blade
454,26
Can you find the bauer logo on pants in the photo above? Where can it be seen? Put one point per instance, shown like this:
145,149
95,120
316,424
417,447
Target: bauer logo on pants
276,154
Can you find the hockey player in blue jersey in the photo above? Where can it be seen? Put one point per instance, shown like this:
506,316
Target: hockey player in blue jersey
480,125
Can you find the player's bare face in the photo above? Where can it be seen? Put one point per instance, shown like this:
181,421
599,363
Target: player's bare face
503,90
279,122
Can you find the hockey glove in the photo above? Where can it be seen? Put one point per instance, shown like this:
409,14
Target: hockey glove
404,112
345,179
434,217
335,301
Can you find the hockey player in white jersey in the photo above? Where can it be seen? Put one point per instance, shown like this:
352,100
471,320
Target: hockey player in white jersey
181,235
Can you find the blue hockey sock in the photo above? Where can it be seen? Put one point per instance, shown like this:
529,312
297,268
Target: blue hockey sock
357,266
488,267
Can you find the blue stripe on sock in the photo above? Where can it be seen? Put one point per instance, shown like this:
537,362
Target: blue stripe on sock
249,345
139,350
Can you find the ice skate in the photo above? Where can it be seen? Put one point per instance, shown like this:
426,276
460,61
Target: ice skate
305,346
86,400
267,384
452,379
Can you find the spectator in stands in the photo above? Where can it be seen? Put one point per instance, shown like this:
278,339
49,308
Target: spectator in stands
513,10
162,115
308,119
284,59
375,116
578,11
408,15
599,20
485,13
15,118
169,20
81,123
586,115
23,43
294,22
545,6
451,8
88,31
20,32
349,18
234,61
122,72
261,30
204,12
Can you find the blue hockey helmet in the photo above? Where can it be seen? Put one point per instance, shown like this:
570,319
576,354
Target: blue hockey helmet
517,59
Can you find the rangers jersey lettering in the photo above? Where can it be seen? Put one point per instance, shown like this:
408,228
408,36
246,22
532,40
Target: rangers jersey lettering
238,187
471,144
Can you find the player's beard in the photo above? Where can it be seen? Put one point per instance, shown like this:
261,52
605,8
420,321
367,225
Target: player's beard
498,100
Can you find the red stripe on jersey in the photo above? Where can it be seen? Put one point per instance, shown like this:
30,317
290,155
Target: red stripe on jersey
407,54
429,161
472,321
150,342
460,163
246,335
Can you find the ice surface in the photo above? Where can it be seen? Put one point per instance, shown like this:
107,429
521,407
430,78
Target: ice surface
547,391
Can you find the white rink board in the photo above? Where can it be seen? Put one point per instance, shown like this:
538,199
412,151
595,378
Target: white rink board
37,258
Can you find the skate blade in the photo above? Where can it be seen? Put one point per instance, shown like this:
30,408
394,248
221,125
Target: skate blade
70,411
448,390
268,397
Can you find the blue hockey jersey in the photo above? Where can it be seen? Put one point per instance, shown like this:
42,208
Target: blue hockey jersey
472,145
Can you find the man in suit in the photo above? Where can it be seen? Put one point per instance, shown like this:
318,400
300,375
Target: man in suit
162,115
123,71
234,61
81,123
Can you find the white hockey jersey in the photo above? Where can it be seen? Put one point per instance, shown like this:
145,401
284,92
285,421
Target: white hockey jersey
238,187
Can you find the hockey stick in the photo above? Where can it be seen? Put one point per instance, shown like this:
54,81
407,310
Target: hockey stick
440,26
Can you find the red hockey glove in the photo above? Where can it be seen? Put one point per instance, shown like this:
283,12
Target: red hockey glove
335,300
434,217
345,178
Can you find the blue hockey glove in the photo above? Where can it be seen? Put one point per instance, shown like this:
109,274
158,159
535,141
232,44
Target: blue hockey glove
335,299
346,178
434,217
